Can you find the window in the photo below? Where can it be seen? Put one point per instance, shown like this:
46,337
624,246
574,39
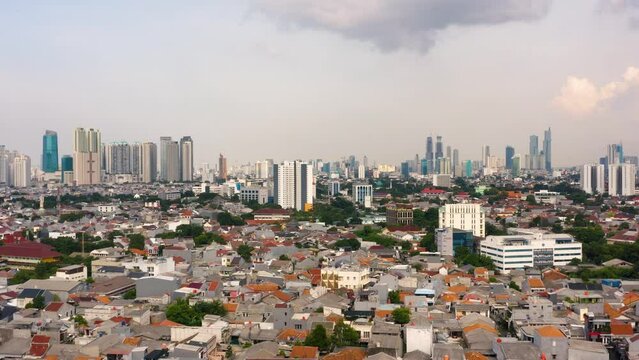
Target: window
298,326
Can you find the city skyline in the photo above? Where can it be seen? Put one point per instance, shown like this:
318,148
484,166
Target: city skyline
285,69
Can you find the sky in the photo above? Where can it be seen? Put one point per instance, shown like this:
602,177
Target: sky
292,79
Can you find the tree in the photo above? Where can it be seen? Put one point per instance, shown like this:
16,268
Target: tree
428,241
393,297
130,295
79,320
214,307
181,312
245,252
352,244
284,257
513,285
136,241
226,219
318,338
188,230
37,303
401,315
530,199
344,335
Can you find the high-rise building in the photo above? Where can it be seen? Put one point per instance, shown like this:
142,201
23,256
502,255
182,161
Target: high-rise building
87,162
118,155
186,158
66,167
615,154
485,155
262,169
222,170
455,160
592,178
463,216
149,162
333,188
293,185
510,152
547,150
4,165
21,171
621,179
468,171
516,168
439,148
533,153
169,159
430,155
50,151
405,169
136,162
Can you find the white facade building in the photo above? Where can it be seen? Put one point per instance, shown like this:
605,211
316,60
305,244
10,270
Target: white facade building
419,337
293,185
535,250
621,179
363,194
592,178
349,277
71,272
153,267
463,216
21,171
87,158
262,169
258,194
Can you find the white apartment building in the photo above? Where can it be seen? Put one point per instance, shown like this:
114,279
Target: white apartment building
363,194
87,158
621,179
535,250
349,277
154,267
21,171
463,216
258,194
592,178
546,197
293,185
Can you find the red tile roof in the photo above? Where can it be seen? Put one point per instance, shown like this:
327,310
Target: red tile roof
29,250
54,306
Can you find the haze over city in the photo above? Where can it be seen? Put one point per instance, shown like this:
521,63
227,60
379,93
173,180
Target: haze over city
323,79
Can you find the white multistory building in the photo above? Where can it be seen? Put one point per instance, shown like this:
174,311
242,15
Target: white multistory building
262,169
21,171
463,216
621,179
186,159
348,277
534,250
363,194
87,161
149,162
592,178
293,185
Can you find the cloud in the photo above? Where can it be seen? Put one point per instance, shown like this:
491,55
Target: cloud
629,8
393,24
580,96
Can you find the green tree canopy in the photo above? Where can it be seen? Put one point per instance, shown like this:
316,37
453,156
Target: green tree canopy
401,315
344,335
318,338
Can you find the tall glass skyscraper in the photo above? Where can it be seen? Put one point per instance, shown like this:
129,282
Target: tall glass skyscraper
50,151
548,150
510,152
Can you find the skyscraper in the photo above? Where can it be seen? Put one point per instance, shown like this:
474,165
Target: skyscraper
222,168
533,153
21,171
548,150
66,167
186,158
516,169
510,152
430,156
118,156
439,148
4,165
136,162
592,178
621,179
615,154
87,163
50,151
149,162
169,159
293,185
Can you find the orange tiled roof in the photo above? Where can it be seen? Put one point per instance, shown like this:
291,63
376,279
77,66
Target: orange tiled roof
457,289
478,326
630,298
617,328
449,297
230,307
382,313
263,287
167,323
474,355
103,299
138,252
536,283
282,295
304,352
334,318
347,354
289,333
550,331
554,275
611,311
133,341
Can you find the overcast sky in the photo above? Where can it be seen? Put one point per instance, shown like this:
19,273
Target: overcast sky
289,79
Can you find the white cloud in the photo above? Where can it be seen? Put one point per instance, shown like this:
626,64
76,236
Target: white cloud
393,24
580,96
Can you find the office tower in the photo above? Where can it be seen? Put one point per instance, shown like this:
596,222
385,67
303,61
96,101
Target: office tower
516,166
333,188
149,162
592,178
50,151
262,169
485,155
533,152
87,162
21,171
449,152
469,169
445,166
169,159
363,194
615,154
136,162
66,167
118,156
439,148
361,172
222,168
455,160
365,161
430,155
547,150
293,185
186,158
404,169
621,179
631,159
463,216
4,165
423,170
510,152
